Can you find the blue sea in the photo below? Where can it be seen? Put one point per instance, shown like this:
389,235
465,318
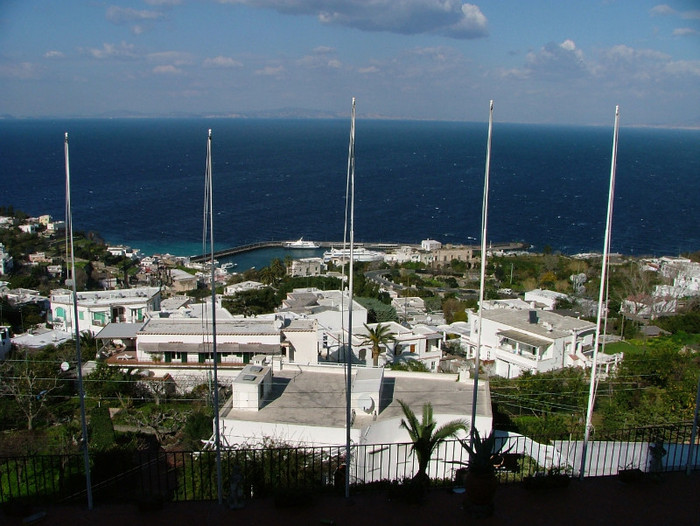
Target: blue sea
140,182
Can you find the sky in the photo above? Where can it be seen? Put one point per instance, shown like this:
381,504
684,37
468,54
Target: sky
556,62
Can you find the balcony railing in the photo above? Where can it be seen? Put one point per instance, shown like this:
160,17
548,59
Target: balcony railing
191,475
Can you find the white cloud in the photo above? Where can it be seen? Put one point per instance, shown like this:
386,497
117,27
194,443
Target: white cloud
179,58
691,15
666,10
122,51
368,70
662,10
166,3
124,15
684,31
322,57
689,68
18,70
168,69
221,62
270,71
54,54
553,61
451,18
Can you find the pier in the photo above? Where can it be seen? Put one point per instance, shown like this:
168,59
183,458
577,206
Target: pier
328,244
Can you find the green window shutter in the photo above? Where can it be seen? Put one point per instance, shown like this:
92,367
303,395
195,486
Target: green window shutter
184,357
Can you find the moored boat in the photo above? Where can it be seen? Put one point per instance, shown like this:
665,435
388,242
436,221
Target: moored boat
300,243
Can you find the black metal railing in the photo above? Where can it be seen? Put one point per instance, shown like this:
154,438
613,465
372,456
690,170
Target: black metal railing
191,475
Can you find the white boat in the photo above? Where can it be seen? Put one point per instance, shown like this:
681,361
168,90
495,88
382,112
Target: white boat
300,243
228,265
359,254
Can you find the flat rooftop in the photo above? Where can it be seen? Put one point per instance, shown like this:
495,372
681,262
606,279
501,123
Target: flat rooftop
318,398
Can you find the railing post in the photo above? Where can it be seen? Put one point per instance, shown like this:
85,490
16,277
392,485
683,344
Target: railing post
694,432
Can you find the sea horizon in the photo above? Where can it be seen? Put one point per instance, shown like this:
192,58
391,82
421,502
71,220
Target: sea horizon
139,182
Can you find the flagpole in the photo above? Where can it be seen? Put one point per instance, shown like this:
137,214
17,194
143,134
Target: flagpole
210,205
484,218
603,281
348,348
81,390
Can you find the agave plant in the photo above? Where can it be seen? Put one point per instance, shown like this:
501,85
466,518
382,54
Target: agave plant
481,453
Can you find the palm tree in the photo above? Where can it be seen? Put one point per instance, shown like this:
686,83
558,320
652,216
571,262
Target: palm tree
425,437
88,343
380,335
267,276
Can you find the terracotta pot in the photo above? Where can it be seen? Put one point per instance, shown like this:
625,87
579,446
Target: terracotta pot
480,488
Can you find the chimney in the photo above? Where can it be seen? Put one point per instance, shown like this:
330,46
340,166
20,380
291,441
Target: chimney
533,316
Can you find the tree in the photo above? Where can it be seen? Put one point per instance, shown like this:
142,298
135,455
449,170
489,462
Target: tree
88,345
30,382
425,437
380,336
451,307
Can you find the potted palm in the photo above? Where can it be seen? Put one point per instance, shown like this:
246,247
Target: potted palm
426,438
480,483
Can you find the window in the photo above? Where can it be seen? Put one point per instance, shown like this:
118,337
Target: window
60,312
98,318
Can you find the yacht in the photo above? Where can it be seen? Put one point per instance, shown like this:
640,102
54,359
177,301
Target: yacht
300,243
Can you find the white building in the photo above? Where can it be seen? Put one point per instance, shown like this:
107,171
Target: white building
330,309
421,343
232,290
306,267
430,245
29,228
531,340
6,262
405,254
306,406
98,308
188,341
544,299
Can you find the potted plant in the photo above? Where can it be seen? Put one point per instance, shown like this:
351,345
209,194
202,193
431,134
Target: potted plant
426,436
554,477
630,474
481,482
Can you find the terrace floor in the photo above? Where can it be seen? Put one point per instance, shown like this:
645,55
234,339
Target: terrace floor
675,500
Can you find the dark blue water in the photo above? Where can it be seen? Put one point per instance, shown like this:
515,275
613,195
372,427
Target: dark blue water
141,182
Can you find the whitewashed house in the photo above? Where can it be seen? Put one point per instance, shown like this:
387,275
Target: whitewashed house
544,299
421,343
232,290
98,308
189,340
531,340
330,309
306,406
